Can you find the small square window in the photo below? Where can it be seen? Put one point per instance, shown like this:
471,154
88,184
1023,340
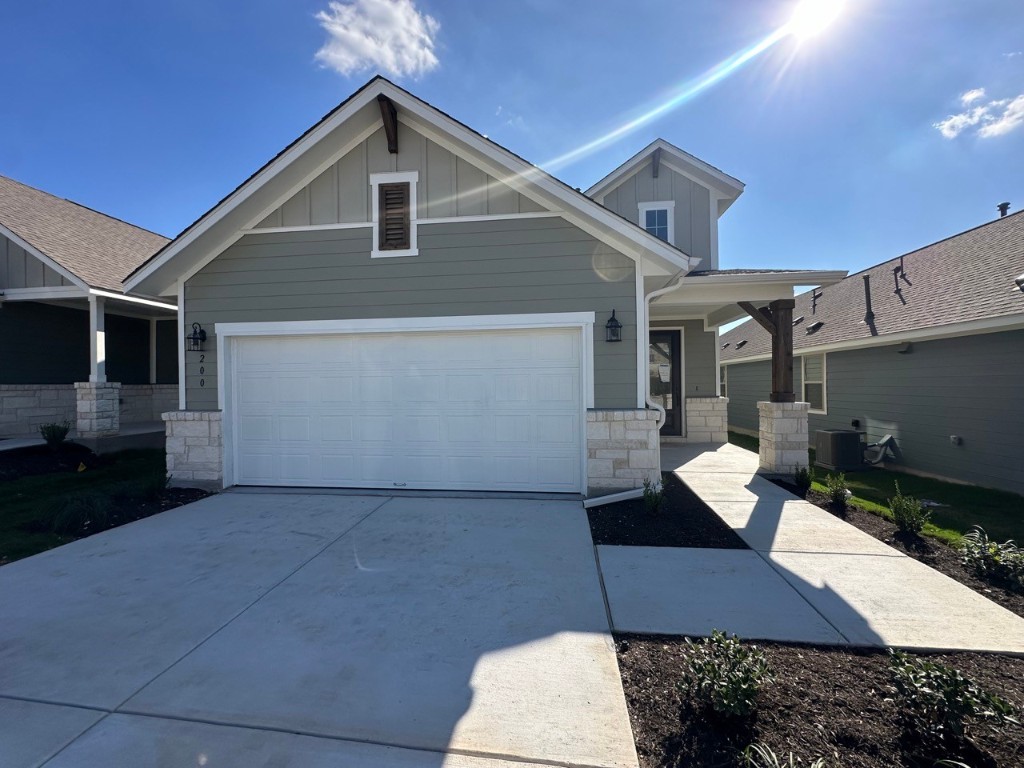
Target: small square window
656,218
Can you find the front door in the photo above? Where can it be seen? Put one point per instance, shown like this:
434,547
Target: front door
666,381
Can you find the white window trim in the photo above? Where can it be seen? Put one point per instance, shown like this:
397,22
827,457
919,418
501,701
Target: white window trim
723,380
227,333
666,205
824,381
376,179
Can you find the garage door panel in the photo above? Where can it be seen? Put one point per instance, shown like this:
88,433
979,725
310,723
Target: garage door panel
482,410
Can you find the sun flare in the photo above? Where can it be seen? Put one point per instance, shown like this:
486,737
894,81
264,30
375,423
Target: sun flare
811,17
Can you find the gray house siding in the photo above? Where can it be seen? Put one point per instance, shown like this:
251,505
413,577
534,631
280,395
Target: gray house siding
692,222
20,269
448,186
463,268
968,386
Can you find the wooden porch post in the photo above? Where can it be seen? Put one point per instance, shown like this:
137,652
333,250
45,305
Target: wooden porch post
782,351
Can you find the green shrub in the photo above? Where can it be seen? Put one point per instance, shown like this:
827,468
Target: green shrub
907,512
55,432
1001,564
835,487
936,703
80,515
654,496
760,756
725,674
803,478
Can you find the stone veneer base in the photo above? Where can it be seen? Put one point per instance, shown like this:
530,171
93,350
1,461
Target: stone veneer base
195,449
623,449
782,437
707,420
98,409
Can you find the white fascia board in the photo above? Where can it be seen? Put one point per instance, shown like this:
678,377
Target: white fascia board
59,269
932,333
134,299
42,294
817,277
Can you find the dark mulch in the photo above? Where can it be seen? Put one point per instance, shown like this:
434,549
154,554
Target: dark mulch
41,460
931,552
684,521
825,702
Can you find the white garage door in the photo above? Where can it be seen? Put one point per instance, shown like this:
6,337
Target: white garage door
469,410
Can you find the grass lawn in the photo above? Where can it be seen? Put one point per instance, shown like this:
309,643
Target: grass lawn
26,503
998,512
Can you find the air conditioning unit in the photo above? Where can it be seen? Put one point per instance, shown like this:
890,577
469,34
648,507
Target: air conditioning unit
838,449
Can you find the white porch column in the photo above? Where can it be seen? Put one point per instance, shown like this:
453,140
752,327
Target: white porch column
97,340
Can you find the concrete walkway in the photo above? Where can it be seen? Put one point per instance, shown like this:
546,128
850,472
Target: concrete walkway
315,630
809,574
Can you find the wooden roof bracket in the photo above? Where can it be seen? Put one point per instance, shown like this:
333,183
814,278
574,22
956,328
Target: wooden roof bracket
763,316
656,162
389,115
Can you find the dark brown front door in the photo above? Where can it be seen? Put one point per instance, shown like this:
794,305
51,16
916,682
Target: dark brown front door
666,381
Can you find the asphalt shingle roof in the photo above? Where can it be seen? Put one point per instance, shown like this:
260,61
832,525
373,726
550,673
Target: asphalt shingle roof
97,248
969,276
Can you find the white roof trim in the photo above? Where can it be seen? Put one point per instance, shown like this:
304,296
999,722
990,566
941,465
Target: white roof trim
604,222
728,185
815,277
64,272
931,333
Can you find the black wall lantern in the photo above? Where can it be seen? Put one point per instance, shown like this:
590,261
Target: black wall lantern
196,338
613,329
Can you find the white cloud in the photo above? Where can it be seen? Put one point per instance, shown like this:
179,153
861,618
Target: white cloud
511,119
996,117
1013,54
388,35
972,95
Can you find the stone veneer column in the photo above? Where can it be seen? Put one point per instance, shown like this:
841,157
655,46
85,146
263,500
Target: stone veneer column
623,448
195,449
707,420
98,410
783,437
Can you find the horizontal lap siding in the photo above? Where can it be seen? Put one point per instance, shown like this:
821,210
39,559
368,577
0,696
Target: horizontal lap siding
747,383
699,369
465,268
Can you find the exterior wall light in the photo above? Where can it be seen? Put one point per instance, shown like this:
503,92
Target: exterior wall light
196,338
613,329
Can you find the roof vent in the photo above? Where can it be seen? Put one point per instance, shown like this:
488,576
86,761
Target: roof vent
726,344
1020,282
814,326
1003,208
798,320
741,343
869,315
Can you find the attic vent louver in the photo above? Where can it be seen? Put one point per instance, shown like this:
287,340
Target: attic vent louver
740,343
798,320
726,344
814,326
394,216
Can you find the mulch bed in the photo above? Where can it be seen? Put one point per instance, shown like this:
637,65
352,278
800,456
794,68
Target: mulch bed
41,460
931,552
825,702
683,521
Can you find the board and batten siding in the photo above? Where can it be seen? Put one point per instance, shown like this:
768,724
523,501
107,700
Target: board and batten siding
699,369
448,186
968,386
508,266
20,269
692,222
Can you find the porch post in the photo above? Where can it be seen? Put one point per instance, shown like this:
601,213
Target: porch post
152,350
97,340
782,351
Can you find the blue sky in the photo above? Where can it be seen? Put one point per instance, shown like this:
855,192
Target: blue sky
153,111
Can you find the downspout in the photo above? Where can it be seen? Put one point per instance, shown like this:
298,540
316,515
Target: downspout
673,284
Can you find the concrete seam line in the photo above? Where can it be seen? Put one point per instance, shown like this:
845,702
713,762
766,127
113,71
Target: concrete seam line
352,740
231,620
33,700
604,593
50,758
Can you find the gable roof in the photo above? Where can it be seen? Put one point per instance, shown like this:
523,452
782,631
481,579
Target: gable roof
964,278
97,249
494,159
728,187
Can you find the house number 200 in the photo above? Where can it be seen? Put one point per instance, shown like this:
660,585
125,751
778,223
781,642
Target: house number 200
202,370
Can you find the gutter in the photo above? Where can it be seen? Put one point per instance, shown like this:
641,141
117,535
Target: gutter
674,283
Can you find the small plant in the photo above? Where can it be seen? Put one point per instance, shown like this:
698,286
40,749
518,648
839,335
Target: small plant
1001,564
835,487
55,433
654,496
80,515
908,513
937,702
725,673
803,478
760,756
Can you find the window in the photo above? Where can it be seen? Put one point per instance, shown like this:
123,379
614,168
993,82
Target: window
814,382
394,214
723,381
657,218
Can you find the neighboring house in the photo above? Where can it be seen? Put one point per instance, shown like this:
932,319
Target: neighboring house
396,301
927,347
67,329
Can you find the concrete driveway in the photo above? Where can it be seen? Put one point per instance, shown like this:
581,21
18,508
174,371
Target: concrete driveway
263,629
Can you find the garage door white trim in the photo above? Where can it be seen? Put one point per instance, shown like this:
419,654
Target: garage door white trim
228,333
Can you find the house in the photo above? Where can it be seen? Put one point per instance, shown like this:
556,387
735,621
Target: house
69,331
395,301
927,347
